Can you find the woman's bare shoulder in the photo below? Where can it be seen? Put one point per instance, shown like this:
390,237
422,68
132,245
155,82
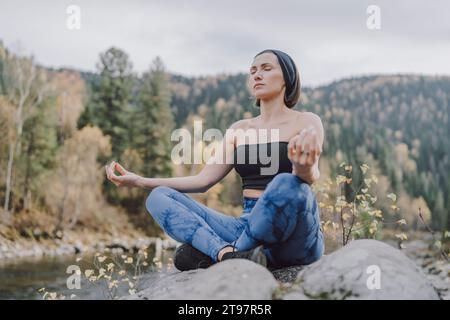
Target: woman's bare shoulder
241,124
306,116
304,113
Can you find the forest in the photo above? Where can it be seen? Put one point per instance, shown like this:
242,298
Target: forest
386,149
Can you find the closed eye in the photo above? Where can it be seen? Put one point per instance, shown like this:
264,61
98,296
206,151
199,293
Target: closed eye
265,69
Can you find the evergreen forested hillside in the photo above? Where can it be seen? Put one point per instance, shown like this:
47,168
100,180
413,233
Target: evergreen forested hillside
400,120
59,127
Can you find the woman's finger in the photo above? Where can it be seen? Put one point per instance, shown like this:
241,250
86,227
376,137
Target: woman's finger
292,142
301,144
112,172
307,136
318,150
109,172
298,151
313,140
311,158
108,169
292,145
112,176
308,143
297,146
121,169
116,179
291,151
306,147
315,153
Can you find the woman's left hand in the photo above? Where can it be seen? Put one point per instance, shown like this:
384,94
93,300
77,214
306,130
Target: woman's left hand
304,148
125,179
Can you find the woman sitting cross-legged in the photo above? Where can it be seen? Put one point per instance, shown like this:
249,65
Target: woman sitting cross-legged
280,224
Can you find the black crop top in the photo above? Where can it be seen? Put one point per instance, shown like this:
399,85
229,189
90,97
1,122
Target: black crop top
257,166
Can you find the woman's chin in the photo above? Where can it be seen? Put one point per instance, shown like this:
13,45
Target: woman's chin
260,94
264,96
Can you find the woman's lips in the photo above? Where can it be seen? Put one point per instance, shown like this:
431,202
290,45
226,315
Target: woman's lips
257,85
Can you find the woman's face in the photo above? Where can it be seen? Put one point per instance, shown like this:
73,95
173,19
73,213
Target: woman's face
266,77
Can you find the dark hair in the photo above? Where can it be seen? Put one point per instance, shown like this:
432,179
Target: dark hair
290,75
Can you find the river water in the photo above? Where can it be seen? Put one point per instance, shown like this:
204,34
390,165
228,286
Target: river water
22,278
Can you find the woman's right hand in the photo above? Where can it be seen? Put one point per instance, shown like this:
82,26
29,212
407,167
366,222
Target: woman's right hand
126,178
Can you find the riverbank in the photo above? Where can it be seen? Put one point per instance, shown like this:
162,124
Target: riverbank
78,242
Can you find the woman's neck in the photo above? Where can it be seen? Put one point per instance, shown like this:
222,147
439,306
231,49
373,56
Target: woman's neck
272,110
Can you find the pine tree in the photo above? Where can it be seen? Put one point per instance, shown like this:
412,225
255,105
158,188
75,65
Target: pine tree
109,105
38,151
153,122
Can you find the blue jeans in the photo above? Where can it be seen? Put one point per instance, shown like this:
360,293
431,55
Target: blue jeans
284,219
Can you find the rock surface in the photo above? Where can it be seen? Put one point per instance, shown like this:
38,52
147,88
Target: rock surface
436,269
343,274
352,273
228,280
287,275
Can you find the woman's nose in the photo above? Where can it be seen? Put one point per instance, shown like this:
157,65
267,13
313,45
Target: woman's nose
257,77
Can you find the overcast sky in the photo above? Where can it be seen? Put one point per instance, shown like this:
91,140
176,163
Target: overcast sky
328,40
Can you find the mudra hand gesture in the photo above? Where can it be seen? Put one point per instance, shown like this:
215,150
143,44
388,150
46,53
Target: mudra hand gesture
304,148
126,178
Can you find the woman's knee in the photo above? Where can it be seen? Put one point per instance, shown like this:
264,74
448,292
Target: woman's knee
289,186
287,179
154,202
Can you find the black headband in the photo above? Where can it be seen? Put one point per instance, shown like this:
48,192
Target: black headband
290,74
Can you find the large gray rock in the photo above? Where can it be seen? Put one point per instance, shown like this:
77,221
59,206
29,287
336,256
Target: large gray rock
351,273
231,279
348,273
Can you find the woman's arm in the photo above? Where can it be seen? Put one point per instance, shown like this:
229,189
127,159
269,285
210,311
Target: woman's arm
208,177
221,164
